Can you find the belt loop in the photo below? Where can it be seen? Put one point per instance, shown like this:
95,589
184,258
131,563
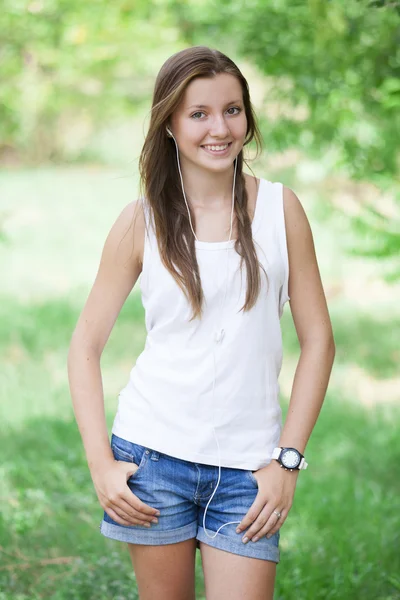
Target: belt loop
155,455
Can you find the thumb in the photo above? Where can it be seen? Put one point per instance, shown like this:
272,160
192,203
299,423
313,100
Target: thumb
130,469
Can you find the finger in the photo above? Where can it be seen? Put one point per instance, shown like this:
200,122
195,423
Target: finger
118,518
272,526
278,525
272,522
138,505
251,515
119,508
136,514
260,522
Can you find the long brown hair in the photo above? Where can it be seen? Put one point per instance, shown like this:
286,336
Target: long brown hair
160,185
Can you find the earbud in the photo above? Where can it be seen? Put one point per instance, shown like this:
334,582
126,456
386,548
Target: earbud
219,335
169,132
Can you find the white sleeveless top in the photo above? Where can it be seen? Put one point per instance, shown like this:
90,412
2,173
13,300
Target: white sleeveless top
167,403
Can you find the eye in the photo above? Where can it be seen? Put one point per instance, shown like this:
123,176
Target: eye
193,116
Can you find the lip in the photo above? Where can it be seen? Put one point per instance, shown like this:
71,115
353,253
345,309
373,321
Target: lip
219,153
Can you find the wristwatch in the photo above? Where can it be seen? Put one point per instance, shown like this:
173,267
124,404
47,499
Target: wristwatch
289,459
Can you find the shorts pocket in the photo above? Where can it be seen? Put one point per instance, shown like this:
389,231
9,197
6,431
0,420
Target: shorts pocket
129,452
252,478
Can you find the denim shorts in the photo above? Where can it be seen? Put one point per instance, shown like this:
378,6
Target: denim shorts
180,490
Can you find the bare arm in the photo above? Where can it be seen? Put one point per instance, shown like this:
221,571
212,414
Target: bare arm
117,274
313,327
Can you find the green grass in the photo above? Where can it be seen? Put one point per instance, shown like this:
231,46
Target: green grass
342,538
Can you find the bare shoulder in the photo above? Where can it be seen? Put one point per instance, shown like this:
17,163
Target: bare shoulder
295,215
300,243
128,235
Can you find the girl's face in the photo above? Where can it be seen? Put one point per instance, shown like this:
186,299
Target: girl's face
211,114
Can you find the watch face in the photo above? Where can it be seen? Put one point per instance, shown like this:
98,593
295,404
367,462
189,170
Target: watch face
290,459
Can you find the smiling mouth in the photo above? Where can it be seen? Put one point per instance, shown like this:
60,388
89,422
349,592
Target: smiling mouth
217,148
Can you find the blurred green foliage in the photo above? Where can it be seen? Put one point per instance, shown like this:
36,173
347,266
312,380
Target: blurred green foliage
64,61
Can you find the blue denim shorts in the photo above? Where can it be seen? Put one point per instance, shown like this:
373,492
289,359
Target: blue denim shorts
180,490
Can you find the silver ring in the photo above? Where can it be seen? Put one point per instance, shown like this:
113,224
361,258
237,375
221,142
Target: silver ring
278,514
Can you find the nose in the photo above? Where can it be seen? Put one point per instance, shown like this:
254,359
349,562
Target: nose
219,127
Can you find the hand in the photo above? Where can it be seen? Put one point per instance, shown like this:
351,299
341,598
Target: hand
116,498
276,489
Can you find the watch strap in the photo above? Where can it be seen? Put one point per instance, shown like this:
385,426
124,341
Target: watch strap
303,464
276,453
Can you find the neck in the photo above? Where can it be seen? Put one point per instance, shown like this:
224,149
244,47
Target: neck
208,190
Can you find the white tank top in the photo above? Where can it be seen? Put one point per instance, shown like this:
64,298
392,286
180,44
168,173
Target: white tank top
167,403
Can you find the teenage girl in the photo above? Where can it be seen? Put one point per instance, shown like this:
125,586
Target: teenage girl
199,457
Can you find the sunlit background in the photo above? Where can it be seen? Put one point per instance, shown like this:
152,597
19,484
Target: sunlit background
76,80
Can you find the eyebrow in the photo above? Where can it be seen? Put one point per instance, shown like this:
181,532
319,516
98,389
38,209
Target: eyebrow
205,105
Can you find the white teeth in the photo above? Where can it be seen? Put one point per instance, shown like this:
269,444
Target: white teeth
216,147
